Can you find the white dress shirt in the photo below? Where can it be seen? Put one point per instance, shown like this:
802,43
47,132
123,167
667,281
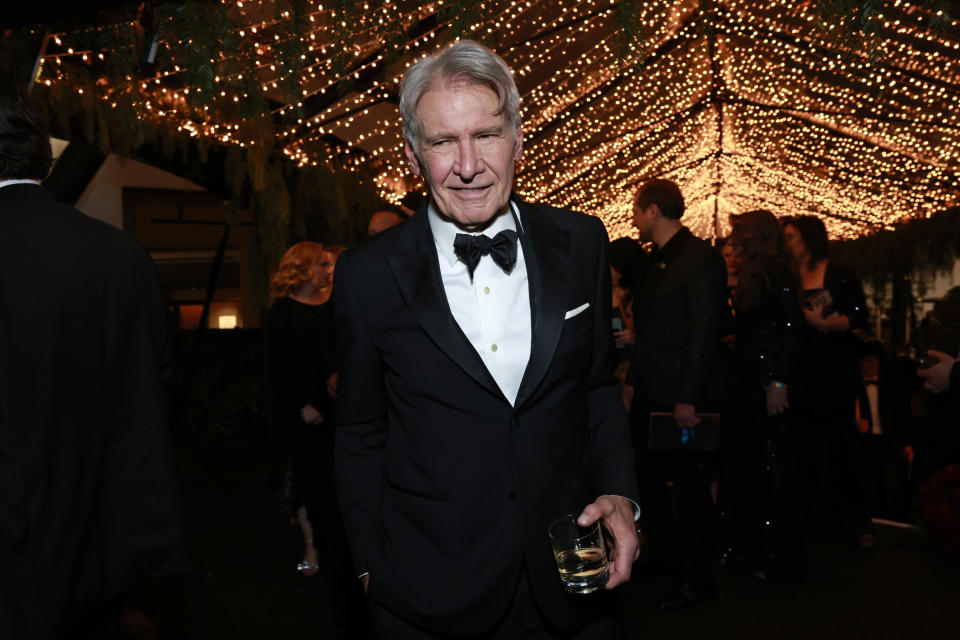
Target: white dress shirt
493,311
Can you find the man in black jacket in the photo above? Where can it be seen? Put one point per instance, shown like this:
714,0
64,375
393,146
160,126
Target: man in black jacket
679,322
477,401
88,492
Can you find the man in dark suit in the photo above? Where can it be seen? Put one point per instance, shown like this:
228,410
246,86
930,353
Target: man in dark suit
477,401
88,493
882,416
679,323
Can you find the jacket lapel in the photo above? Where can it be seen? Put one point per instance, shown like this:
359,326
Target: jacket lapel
546,250
416,270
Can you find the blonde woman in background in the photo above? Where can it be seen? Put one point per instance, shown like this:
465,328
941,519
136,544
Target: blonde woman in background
300,357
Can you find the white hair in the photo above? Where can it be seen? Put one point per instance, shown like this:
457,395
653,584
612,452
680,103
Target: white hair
466,61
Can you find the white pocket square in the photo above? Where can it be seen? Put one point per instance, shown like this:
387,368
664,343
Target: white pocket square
577,311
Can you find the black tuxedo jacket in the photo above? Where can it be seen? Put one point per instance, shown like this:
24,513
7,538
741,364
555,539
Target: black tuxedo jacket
894,405
88,492
446,489
677,348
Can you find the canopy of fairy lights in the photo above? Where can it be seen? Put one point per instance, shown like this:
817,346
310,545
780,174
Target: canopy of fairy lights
745,103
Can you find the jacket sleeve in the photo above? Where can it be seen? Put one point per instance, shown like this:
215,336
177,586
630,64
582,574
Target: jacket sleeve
360,419
705,306
612,458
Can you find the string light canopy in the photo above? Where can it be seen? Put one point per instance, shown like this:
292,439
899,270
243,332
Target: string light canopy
747,104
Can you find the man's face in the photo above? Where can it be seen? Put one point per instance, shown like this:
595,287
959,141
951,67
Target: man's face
466,153
870,367
643,220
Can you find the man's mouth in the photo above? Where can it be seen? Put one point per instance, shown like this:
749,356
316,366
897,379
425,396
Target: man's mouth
471,192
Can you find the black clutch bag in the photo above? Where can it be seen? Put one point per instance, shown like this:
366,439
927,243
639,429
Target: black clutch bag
665,435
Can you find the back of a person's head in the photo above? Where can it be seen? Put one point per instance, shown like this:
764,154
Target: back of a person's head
814,234
626,256
383,219
663,193
757,234
24,139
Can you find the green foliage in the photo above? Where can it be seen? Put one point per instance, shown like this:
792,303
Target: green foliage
856,24
918,249
941,329
461,14
204,52
630,29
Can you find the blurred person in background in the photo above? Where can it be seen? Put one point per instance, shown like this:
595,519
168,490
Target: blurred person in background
681,314
626,262
826,384
760,485
882,416
89,503
383,220
300,357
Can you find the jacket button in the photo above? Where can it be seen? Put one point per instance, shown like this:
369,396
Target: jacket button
514,424
512,495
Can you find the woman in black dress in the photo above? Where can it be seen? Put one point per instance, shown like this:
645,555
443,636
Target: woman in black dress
760,481
826,388
298,328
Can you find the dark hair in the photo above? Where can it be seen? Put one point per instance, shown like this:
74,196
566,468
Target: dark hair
814,235
758,239
663,193
626,256
25,151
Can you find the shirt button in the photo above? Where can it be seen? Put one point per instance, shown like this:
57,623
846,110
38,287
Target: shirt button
494,348
486,289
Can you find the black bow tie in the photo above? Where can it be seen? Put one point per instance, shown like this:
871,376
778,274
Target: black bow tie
502,248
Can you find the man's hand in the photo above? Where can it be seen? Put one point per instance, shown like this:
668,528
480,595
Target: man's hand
685,415
616,514
624,337
332,383
365,580
310,415
777,401
627,396
907,453
937,377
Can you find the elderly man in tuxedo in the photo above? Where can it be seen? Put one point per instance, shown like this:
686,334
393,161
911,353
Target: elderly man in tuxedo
477,400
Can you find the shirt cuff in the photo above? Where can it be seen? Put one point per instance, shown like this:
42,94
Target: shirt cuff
363,575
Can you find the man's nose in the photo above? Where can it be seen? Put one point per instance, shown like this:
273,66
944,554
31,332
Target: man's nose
469,163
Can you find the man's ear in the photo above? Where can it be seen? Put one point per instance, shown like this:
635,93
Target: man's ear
655,213
412,158
518,151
